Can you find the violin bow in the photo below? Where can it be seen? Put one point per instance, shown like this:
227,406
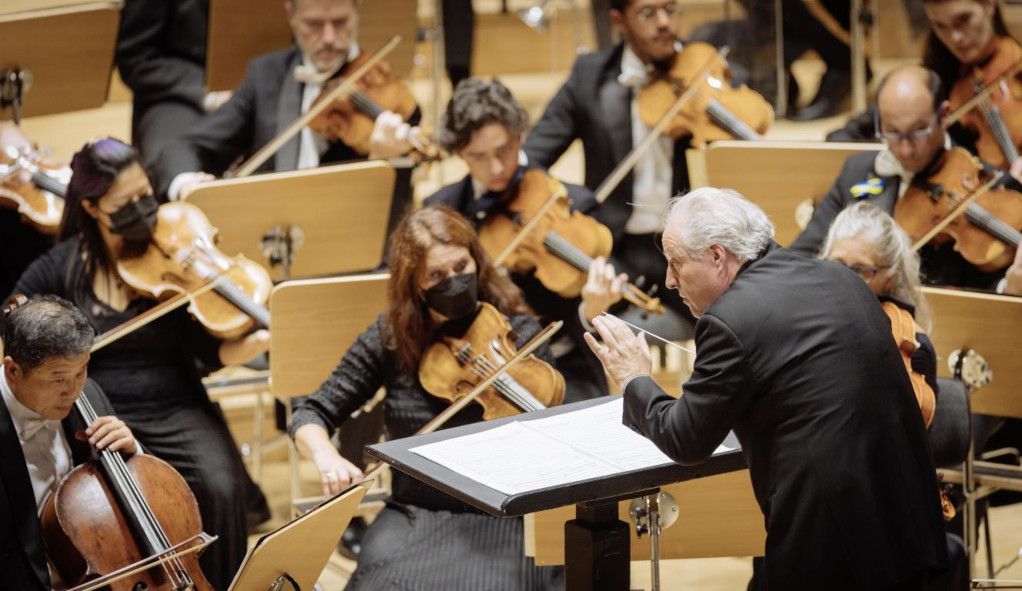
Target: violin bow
155,313
958,210
455,407
694,86
345,87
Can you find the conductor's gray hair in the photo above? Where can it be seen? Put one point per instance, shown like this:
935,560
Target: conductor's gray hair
711,216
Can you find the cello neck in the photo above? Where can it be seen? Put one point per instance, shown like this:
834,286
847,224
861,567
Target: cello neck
567,251
136,509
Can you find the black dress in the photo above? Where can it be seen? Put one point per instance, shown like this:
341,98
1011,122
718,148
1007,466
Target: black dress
153,380
423,539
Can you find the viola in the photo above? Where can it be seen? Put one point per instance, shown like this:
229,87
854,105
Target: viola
987,231
132,523
453,365
182,258
540,234
717,111
997,120
904,329
33,185
350,118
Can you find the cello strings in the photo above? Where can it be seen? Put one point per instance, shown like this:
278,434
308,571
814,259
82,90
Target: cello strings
119,473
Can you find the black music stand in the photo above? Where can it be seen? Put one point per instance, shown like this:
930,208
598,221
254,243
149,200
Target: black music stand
596,541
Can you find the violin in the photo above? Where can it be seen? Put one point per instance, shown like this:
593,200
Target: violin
33,185
132,523
181,258
987,231
903,327
451,367
350,118
716,112
539,233
998,119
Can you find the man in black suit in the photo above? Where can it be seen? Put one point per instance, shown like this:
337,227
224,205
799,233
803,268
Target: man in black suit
161,56
597,105
46,346
911,113
277,89
795,356
484,126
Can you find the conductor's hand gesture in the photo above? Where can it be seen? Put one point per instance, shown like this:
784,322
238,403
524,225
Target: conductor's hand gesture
622,354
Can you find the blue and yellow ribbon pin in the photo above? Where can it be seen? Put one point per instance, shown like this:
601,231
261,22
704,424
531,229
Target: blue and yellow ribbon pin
873,186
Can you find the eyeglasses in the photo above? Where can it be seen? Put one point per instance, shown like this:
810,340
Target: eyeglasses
651,12
890,137
865,271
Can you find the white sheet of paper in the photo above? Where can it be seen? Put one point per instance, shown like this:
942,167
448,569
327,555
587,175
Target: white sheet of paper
523,456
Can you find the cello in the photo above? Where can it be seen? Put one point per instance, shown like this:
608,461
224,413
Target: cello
130,524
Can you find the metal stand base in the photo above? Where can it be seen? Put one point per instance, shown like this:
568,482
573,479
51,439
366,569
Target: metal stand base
597,546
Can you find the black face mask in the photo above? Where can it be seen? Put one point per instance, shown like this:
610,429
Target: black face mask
136,220
454,297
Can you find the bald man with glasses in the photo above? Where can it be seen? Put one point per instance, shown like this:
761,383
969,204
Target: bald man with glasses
910,121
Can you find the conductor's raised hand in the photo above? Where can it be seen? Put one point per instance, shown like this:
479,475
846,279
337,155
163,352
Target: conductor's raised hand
623,355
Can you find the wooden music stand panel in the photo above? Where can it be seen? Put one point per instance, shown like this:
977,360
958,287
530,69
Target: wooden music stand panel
718,516
778,176
231,46
341,210
68,50
988,324
299,549
313,322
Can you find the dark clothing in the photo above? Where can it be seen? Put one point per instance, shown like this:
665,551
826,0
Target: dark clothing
21,543
459,22
583,373
797,358
365,367
594,107
20,244
266,102
153,381
405,545
941,265
161,56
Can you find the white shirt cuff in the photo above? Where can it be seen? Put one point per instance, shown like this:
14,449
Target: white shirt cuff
1002,286
185,178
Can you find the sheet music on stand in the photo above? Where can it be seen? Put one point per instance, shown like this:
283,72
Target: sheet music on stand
572,447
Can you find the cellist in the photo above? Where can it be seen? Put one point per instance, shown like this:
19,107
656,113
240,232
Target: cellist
484,126
46,355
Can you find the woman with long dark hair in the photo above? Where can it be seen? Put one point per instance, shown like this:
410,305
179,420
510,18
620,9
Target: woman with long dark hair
423,539
153,375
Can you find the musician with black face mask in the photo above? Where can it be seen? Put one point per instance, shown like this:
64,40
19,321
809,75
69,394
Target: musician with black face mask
440,279
151,375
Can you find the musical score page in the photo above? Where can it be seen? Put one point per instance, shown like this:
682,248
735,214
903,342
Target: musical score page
523,456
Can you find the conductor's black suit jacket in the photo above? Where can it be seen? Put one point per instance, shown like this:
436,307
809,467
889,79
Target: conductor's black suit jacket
797,358
21,544
594,107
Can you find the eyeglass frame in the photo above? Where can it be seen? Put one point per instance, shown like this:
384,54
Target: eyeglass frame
889,137
646,14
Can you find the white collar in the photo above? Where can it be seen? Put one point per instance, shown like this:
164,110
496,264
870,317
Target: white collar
27,422
306,72
634,73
